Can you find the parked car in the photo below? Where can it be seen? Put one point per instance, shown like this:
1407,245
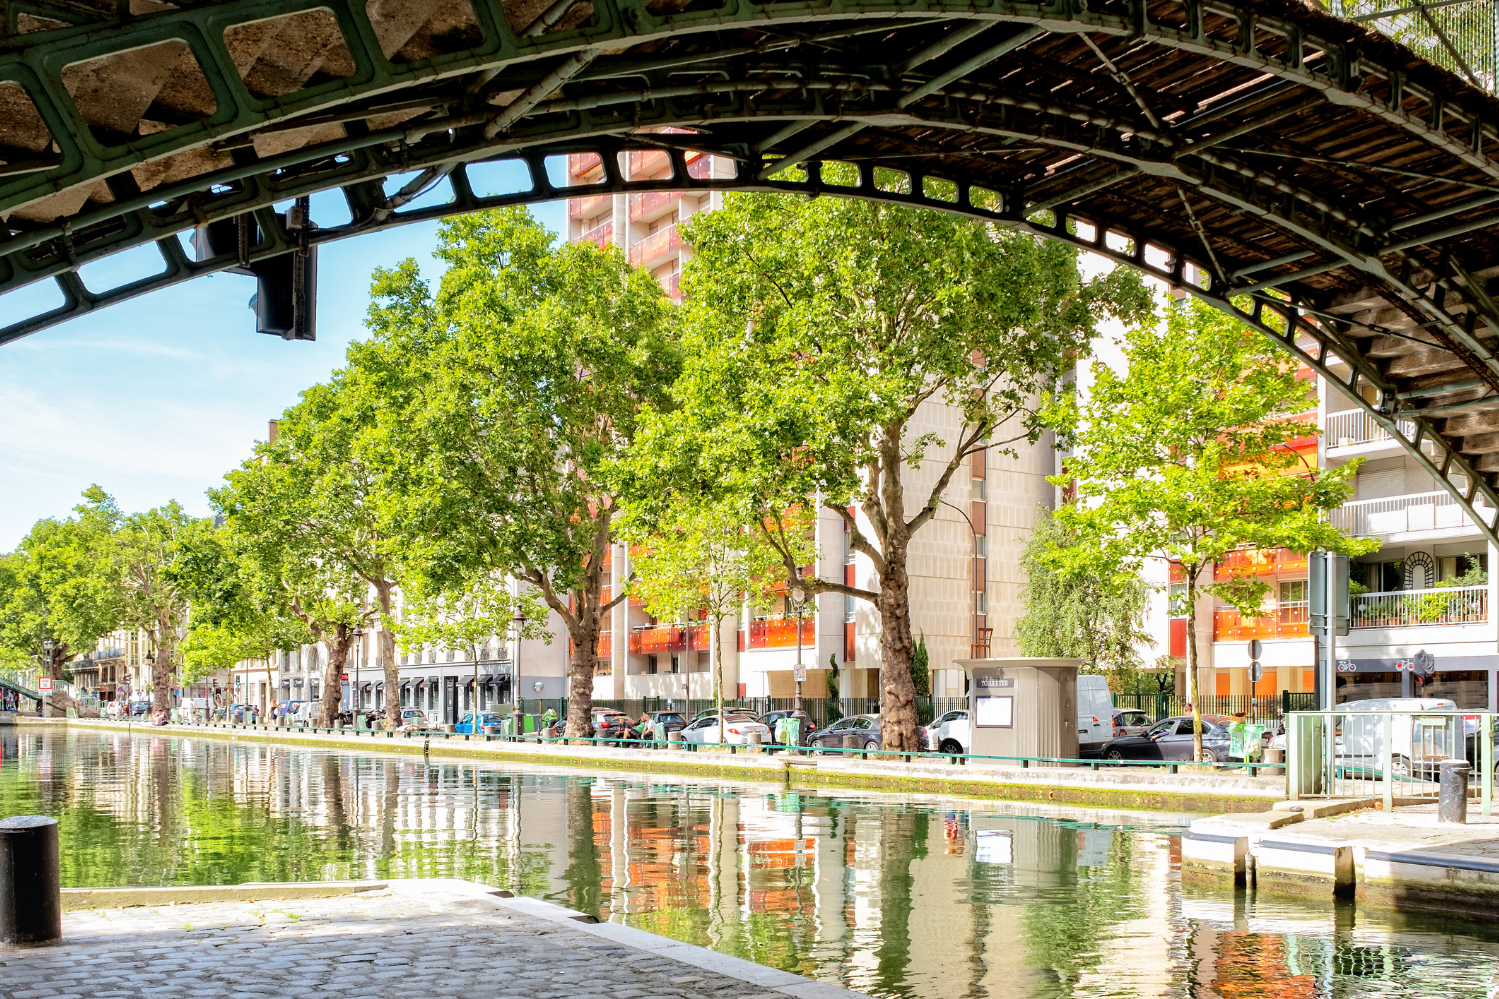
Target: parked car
138,708
611,724
737,730
950,733
1095,715
415,718
1171,739
465,725
674,721
1130,721
771,718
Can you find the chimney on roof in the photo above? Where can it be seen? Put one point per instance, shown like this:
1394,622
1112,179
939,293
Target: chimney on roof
273,428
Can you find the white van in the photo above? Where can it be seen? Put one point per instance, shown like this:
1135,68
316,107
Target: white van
1095,715
1415,741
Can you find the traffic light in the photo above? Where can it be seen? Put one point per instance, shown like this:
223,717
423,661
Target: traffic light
285,299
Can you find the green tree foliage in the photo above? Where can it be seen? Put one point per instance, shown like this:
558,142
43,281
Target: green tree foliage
58,586
309,535
235,614
1099,619
921,669
702,559
467,618
818,331
1184,458
516,386
145,555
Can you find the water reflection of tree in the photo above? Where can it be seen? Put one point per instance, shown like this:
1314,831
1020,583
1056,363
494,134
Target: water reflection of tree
903,837
1069,923
585,872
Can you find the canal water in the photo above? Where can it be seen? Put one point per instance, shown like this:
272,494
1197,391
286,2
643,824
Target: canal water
894,895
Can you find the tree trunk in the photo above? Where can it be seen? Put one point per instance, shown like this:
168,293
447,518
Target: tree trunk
161,671
1192,666
338,643
897,692
580,672
387,654
717,655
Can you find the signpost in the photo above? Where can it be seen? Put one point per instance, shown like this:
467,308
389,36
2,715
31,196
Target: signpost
44,683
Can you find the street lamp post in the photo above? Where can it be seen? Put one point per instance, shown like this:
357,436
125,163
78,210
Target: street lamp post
150,662
973,571
354,704
519,719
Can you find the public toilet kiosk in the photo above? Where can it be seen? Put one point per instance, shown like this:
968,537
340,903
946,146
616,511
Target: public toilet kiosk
1024,707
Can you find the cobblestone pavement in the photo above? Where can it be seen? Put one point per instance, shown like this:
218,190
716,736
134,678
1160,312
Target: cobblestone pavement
433,939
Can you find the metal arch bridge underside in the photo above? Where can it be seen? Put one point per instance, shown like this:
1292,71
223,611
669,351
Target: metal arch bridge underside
1310,176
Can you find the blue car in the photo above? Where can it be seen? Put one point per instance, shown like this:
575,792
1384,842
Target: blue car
487,719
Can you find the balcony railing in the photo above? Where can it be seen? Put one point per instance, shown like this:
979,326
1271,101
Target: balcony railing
602,234
1398,514
1288,620
1355,426
672,285
1404,608
780,633
583,208
658,243
669,638
582,167
1260,562
642,205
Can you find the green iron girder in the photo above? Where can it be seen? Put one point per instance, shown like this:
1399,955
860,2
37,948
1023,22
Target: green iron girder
1317,181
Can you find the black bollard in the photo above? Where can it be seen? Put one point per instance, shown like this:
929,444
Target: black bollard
30,882
1452,802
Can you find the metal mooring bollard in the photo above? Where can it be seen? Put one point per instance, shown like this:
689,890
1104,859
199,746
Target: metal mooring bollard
30,882
1452,803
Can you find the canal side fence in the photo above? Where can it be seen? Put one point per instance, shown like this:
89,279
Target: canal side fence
1395,756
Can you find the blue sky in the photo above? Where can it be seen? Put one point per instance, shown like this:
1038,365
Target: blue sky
157,398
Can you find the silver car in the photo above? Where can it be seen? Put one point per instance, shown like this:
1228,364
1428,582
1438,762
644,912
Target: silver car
737,730
1129,721
949,733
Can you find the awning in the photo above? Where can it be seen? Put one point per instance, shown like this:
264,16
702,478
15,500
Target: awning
1442,664
406,684
366,686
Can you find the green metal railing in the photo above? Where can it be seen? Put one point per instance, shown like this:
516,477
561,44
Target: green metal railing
955,759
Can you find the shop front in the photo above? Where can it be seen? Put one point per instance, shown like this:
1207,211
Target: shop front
1472,682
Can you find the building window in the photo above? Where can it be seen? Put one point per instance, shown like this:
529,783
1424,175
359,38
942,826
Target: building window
1176,600
980,602
850,607
980,489
980,546
1293,592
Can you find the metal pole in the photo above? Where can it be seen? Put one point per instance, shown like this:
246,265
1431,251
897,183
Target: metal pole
798,673
973,570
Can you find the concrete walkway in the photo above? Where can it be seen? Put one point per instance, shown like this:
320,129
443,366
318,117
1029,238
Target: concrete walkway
1403,856
398,940
1200,789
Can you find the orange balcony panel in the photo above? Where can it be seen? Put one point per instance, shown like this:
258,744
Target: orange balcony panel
586,168
583,208
1285,621
1260,562
672,285
661,638
657,244
606,643
602,235
780,633
649,164
642,205
1179,638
